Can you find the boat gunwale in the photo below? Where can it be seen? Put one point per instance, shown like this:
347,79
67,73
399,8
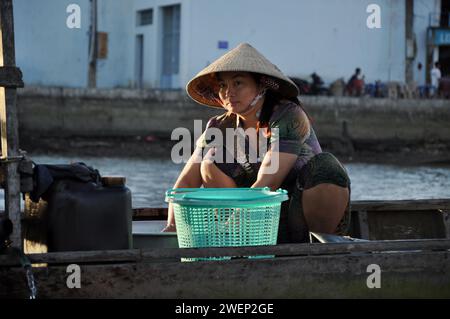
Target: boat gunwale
284,250
356,206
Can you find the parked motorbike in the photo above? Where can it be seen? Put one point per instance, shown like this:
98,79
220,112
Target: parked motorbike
313,87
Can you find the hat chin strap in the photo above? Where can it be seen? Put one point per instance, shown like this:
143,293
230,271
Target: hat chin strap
255,100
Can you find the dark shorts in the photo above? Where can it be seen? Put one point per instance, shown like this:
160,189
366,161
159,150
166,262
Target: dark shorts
322,168
243,176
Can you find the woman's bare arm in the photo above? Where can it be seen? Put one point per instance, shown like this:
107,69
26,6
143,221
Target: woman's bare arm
274,169
276,165
189,178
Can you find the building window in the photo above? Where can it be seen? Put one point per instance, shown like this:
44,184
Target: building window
145,17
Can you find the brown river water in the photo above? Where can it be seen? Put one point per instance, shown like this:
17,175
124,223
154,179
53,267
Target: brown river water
148,179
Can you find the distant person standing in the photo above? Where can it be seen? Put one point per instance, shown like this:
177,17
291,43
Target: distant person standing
421,89
420,79
355,85
435,78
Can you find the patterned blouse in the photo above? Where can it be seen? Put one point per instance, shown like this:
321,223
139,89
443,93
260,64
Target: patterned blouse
290,129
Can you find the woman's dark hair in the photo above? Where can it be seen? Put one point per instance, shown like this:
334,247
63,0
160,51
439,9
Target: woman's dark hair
271,99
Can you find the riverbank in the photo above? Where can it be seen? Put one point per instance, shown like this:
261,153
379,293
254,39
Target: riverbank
139,123
120,112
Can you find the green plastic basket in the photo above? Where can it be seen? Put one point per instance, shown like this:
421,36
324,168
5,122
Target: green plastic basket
226,217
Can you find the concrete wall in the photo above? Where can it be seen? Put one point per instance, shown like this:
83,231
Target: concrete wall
151,44
328,36
422,10
72,112
301,37
48,52
117,69
96,112
152,34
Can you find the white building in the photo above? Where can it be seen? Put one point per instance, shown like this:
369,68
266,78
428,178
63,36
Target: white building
163,43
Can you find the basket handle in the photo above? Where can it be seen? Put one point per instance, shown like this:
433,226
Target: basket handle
171,192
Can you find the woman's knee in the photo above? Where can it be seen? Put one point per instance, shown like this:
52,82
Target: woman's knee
206,170
212,176
324,207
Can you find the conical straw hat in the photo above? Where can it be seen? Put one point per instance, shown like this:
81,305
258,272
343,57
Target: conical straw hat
244,58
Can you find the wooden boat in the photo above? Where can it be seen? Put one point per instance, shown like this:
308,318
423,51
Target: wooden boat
408,240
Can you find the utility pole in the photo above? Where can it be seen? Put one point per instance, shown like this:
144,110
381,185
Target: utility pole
92,76
410,43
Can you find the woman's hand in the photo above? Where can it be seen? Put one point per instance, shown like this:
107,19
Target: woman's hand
169,228
189,178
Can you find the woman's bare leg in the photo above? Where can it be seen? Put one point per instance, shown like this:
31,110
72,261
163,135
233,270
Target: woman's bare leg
213,177
324,206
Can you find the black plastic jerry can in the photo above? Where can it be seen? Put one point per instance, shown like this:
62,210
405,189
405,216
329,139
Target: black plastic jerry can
89,216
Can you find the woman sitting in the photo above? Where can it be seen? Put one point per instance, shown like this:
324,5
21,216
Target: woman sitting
258,97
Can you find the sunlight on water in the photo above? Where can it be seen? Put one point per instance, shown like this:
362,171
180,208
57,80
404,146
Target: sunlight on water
391,182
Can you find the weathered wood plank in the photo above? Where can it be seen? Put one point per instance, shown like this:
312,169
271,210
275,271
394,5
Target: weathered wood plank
9,124
403,275
106,256
373,206
403,205
152,213
416,224
363,224
149,255
446,220
7,30
300,249
10,77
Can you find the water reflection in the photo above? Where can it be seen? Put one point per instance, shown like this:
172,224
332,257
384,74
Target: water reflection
391,182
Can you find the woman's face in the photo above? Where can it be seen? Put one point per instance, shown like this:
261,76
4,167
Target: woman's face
237,90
